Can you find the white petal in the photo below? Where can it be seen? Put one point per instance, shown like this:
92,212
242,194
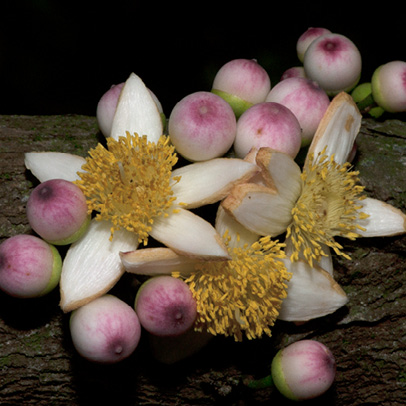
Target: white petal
239,235
280,171
136,112
208,182
188,234
338,128
92,265
156,261
260,209
383,220
54,165
312,293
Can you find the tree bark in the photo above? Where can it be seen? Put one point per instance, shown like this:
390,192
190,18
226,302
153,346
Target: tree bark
39,366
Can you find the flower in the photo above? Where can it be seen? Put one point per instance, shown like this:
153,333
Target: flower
241,295
329,205
136,193
129,183
321,202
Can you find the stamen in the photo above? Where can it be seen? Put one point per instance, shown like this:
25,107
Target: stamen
129,183
329,206
242,295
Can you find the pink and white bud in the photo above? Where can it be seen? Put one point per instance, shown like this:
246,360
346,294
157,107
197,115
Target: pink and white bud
105,330
202,126
389,86
334,62
307,101
303,370
165,306
242,83
29,267
307,38
268,124
57,211
106,107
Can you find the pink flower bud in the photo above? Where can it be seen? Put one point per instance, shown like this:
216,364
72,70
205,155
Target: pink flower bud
57,211
242,83
29,267
202,126
307,101
307,38
105,330
268,124
165,306
389,86
334,62
303,370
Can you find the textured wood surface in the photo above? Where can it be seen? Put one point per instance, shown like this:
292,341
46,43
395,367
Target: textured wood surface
38,365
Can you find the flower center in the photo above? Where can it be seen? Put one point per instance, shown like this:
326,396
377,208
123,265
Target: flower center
328,206
243,294
129,183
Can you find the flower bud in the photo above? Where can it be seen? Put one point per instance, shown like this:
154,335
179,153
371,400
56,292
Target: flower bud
29,267
242,83
303,370
389,86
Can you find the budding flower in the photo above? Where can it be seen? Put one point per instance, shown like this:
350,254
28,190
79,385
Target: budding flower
202,126
334,62
242,83
29,266
57,211
389,86
303,370
268,124
307,38
105,330
165,306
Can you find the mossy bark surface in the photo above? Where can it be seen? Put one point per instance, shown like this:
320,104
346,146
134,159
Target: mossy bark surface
39,366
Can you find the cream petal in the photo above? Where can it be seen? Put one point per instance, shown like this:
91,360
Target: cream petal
260,209
312,293
54,165
238,234
383,220
190,235
157,261
208,182
280,171
92,265
136,111
338,128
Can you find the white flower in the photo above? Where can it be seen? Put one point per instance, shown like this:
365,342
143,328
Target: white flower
148,197
313,207
319,203
236,297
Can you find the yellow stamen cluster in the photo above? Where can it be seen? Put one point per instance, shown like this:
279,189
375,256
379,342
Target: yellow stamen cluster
129,183
243,294
328,206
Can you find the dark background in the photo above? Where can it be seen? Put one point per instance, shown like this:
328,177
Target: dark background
59,57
